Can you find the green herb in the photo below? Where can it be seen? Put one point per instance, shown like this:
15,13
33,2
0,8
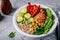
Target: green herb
39,30
12,35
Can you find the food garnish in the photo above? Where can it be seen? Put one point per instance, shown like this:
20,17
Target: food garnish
12,35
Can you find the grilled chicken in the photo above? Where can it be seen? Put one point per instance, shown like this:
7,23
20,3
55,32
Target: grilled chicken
40,17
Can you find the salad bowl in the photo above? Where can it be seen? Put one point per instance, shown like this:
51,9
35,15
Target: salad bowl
35,36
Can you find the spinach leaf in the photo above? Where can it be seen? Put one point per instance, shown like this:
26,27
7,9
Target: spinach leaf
12,35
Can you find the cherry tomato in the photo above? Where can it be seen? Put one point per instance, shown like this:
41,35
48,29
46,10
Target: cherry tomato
33,9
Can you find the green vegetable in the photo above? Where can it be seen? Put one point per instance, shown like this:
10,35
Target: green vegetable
19,19
39,31
49,21
20,14
30,20
46,21
48,26
27,15
24,10
12,35
49,13
24,20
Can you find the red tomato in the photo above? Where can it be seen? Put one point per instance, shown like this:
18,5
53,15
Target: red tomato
33,9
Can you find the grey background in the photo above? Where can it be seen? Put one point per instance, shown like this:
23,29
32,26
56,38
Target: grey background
6,25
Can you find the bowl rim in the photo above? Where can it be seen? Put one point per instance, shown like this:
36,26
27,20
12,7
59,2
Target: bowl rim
35,36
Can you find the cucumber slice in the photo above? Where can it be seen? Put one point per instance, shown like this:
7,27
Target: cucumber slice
19,19
27,15
30,20
20,14
24,10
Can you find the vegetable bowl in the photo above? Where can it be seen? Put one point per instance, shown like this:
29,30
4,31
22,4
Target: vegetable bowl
35,20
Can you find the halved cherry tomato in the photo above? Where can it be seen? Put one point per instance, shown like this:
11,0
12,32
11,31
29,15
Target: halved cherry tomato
33,9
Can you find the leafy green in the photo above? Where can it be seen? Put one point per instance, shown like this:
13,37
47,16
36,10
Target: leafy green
39,30
12,35
49,13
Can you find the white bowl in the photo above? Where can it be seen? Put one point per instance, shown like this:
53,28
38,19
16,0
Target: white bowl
34,36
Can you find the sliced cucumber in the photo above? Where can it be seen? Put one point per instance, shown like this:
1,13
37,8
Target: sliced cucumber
30,20
27,15
20,14
24,10
19,19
